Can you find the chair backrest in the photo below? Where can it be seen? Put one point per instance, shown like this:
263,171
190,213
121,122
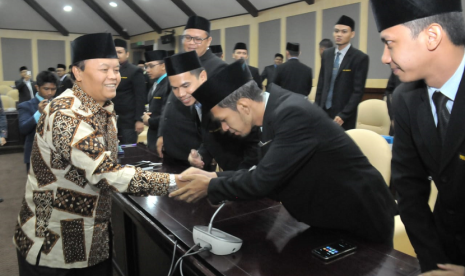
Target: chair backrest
4,89
312,95
14,94
373,115
375,148
8,102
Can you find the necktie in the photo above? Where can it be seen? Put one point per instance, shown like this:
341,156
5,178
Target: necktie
154,86
440,101
329,99
198,108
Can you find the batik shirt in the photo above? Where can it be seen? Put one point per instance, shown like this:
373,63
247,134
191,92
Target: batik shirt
66,209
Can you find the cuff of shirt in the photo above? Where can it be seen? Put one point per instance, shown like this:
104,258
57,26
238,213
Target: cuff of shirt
172,186
37,116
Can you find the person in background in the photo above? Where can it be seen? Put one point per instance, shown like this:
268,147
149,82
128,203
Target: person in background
148,81
343,75
25,85
294,75
65,81
63,227
29,112
131,96
217,50
240,52
424,44
392,84
268,72
325,43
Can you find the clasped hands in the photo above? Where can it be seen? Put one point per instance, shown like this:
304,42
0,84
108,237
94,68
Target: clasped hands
192,185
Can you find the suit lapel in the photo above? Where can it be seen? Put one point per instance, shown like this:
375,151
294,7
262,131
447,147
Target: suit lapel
427,127
455,134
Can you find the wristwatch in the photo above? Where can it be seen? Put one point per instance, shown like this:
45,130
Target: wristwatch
172,187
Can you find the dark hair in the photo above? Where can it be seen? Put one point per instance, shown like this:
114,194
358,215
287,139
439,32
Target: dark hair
249,90
81,65
452,23
196,72
326,43
293,53
46,77
278,55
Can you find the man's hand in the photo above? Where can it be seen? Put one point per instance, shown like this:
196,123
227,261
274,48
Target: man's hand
338,120
195,159
446,270
194,191
42,106
2,141
27,77
139,127
193,170
146,117
160,146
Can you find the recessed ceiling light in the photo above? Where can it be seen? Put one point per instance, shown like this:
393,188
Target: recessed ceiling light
113,4
67,8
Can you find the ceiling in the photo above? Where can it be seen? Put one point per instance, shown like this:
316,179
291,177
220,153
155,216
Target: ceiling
129,18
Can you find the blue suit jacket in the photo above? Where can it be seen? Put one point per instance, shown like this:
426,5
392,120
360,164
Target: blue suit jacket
27,124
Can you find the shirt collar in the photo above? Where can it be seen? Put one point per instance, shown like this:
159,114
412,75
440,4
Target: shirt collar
343,51
265,96
62,78
293,58
88,102
39,97
450,88
161,78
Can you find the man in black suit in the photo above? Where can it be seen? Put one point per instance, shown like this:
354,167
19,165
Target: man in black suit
294,75
25,85
30,111
157,95
343,74
268,72
424,46
148,81
185,75
240,52
308,162
178,134
65,81
130,96
324,44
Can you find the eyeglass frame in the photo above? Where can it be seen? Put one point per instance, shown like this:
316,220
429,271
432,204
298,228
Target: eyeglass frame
195,38
151,66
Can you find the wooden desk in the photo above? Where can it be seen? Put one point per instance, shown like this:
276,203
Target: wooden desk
274,242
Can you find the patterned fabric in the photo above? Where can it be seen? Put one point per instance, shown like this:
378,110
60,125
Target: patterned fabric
74,171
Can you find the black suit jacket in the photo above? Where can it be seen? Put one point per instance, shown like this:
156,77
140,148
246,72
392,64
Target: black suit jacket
63,85
418,154
131,96
268,73
156,106
294,76
179,131
316,171
27,124
349,85
256,76
23,90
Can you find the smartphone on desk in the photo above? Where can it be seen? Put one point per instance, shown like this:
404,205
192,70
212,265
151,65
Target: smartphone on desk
334,250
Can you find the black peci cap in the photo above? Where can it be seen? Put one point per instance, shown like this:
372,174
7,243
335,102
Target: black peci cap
292,47
183,62
92,46
216,49
394,12
222,84
347,21
240,46
62,66
198,22
155,55
121,43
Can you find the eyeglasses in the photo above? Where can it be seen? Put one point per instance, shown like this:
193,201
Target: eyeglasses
151,66
197,40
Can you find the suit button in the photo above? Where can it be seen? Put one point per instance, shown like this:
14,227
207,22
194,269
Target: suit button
430,178
451,212
444,178
458,237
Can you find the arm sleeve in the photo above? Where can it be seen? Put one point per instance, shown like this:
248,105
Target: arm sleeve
75,136
27,121
291,139
410,178
264,75
139,87
360,77
320,86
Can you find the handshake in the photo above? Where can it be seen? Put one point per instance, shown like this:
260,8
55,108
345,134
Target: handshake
192,185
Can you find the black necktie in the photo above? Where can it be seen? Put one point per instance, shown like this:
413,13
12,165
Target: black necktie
440,101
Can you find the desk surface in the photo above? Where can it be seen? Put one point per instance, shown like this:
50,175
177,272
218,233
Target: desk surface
274,243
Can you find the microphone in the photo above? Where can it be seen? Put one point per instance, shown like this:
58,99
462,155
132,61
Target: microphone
220,242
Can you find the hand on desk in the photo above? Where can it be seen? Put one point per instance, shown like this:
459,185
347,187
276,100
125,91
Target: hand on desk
196,189
446,270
